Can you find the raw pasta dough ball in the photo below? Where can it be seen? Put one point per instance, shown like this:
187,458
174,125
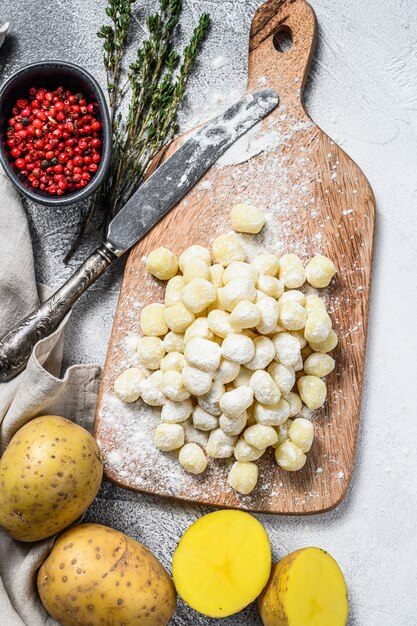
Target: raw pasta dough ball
313,302
151,351
301,433
172,361
227,371
287,349
266,263
291,271
178,318
226,249
320,271
283,375
272,415
219,323
312,391
168,437
292,315
162,263
240,270
319,364
172,385
269,309
293,296
264,388
220,445
294,402
270,286
199,328
318,326
247,219
152,321
290,457
173,290
245,315
203,420
233,425
173,342
197,382
128,384
203,354
238,348
234,403
243,477
238,289
327,345
192,458
264,353
192,253
174,412
210,401
260,436
193,435
151,392
216,275
244,452
198,294
195,269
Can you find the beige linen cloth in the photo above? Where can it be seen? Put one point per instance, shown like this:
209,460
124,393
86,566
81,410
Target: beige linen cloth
36,391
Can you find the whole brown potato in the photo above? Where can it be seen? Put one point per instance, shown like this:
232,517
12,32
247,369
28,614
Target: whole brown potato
97,576
49,474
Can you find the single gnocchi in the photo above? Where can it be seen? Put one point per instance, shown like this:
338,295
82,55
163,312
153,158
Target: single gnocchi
320,271
152,320
247,219
227,248
162,263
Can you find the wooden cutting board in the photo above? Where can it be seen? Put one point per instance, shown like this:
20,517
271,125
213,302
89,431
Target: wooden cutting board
316,200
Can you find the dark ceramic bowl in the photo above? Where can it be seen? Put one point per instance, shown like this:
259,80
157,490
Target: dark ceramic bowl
51,74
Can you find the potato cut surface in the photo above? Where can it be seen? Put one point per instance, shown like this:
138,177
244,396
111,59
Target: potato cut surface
222,563
306,588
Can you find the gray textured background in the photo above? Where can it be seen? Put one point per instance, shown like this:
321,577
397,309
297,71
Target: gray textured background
363,92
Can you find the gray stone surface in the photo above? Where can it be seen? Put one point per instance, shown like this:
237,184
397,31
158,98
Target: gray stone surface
363,92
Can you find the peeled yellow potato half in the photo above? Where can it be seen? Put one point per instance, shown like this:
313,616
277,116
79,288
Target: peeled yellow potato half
306,588
222,563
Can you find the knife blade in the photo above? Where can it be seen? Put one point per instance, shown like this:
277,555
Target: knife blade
180,172
171,181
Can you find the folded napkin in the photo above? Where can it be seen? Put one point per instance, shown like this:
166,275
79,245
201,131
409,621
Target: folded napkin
37,391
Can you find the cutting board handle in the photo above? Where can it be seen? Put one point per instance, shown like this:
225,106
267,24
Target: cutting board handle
282,41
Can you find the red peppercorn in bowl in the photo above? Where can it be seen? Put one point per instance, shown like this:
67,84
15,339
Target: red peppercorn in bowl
55,132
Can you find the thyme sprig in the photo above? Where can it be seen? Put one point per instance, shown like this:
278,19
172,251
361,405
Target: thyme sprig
154,85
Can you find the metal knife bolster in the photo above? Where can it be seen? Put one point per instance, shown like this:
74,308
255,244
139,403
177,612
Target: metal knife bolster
154,198
180,172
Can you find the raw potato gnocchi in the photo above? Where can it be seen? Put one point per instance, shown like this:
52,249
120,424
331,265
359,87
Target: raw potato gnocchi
238,350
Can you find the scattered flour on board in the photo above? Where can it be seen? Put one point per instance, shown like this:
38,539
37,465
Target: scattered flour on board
129,451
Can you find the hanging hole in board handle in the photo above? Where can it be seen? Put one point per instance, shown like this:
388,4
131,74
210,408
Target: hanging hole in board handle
282,39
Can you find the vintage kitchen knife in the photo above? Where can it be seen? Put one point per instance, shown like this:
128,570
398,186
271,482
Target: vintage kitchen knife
171,181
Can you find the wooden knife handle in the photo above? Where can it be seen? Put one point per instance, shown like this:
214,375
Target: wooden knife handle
17,344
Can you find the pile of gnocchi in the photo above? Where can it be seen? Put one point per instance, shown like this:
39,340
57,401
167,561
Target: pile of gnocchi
234,354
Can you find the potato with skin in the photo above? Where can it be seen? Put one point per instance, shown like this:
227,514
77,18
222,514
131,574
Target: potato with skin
95,575
49,475
306,588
